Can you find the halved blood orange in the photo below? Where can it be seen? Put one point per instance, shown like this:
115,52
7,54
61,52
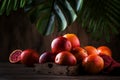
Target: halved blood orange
15,56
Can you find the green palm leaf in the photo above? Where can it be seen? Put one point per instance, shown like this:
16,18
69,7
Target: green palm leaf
100,17
7,6
45,13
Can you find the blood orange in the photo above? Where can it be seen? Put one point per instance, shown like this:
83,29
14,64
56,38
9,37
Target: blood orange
65,58
60,44
104,50
91,50
80,53
15,56
29,57
93,64
73,38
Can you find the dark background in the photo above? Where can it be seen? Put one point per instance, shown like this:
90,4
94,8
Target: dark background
17,32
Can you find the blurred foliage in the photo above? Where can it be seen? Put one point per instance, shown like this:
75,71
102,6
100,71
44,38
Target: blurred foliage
101,18
98,17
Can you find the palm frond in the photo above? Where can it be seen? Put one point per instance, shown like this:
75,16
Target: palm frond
100,17
7,6
46,12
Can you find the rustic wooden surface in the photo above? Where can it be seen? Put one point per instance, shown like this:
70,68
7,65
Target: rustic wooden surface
55,69
20,72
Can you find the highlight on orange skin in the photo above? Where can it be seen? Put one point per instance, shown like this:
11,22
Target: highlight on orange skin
93,64
59,44
73,39
65,58
80,53
104,50
91,50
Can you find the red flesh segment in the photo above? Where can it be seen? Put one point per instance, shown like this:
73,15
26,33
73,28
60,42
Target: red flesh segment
15,56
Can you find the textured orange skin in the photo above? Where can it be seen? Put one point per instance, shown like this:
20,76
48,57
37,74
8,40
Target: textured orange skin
60,44
46,57
65,58
29,57
80,53
75,42
104,50
91,50
93,64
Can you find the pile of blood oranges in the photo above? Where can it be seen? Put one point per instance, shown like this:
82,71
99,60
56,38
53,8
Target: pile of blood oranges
61,47
66,50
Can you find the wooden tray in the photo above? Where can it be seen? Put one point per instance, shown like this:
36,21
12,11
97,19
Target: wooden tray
54,69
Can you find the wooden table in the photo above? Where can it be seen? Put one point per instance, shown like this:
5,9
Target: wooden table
20,72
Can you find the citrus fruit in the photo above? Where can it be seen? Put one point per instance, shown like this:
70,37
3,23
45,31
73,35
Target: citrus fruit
80,53
29,57
65,58
47,57
93,64
60,44
75,42
15,56
104,50
91,50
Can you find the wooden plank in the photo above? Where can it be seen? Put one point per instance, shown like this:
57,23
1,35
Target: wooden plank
48,71
53,77
5,64
54,69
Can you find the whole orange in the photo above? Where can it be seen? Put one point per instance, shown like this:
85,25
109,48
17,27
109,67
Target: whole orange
60,44
104,50
73,39
93,64
29,57
91,50
80,53
65,58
